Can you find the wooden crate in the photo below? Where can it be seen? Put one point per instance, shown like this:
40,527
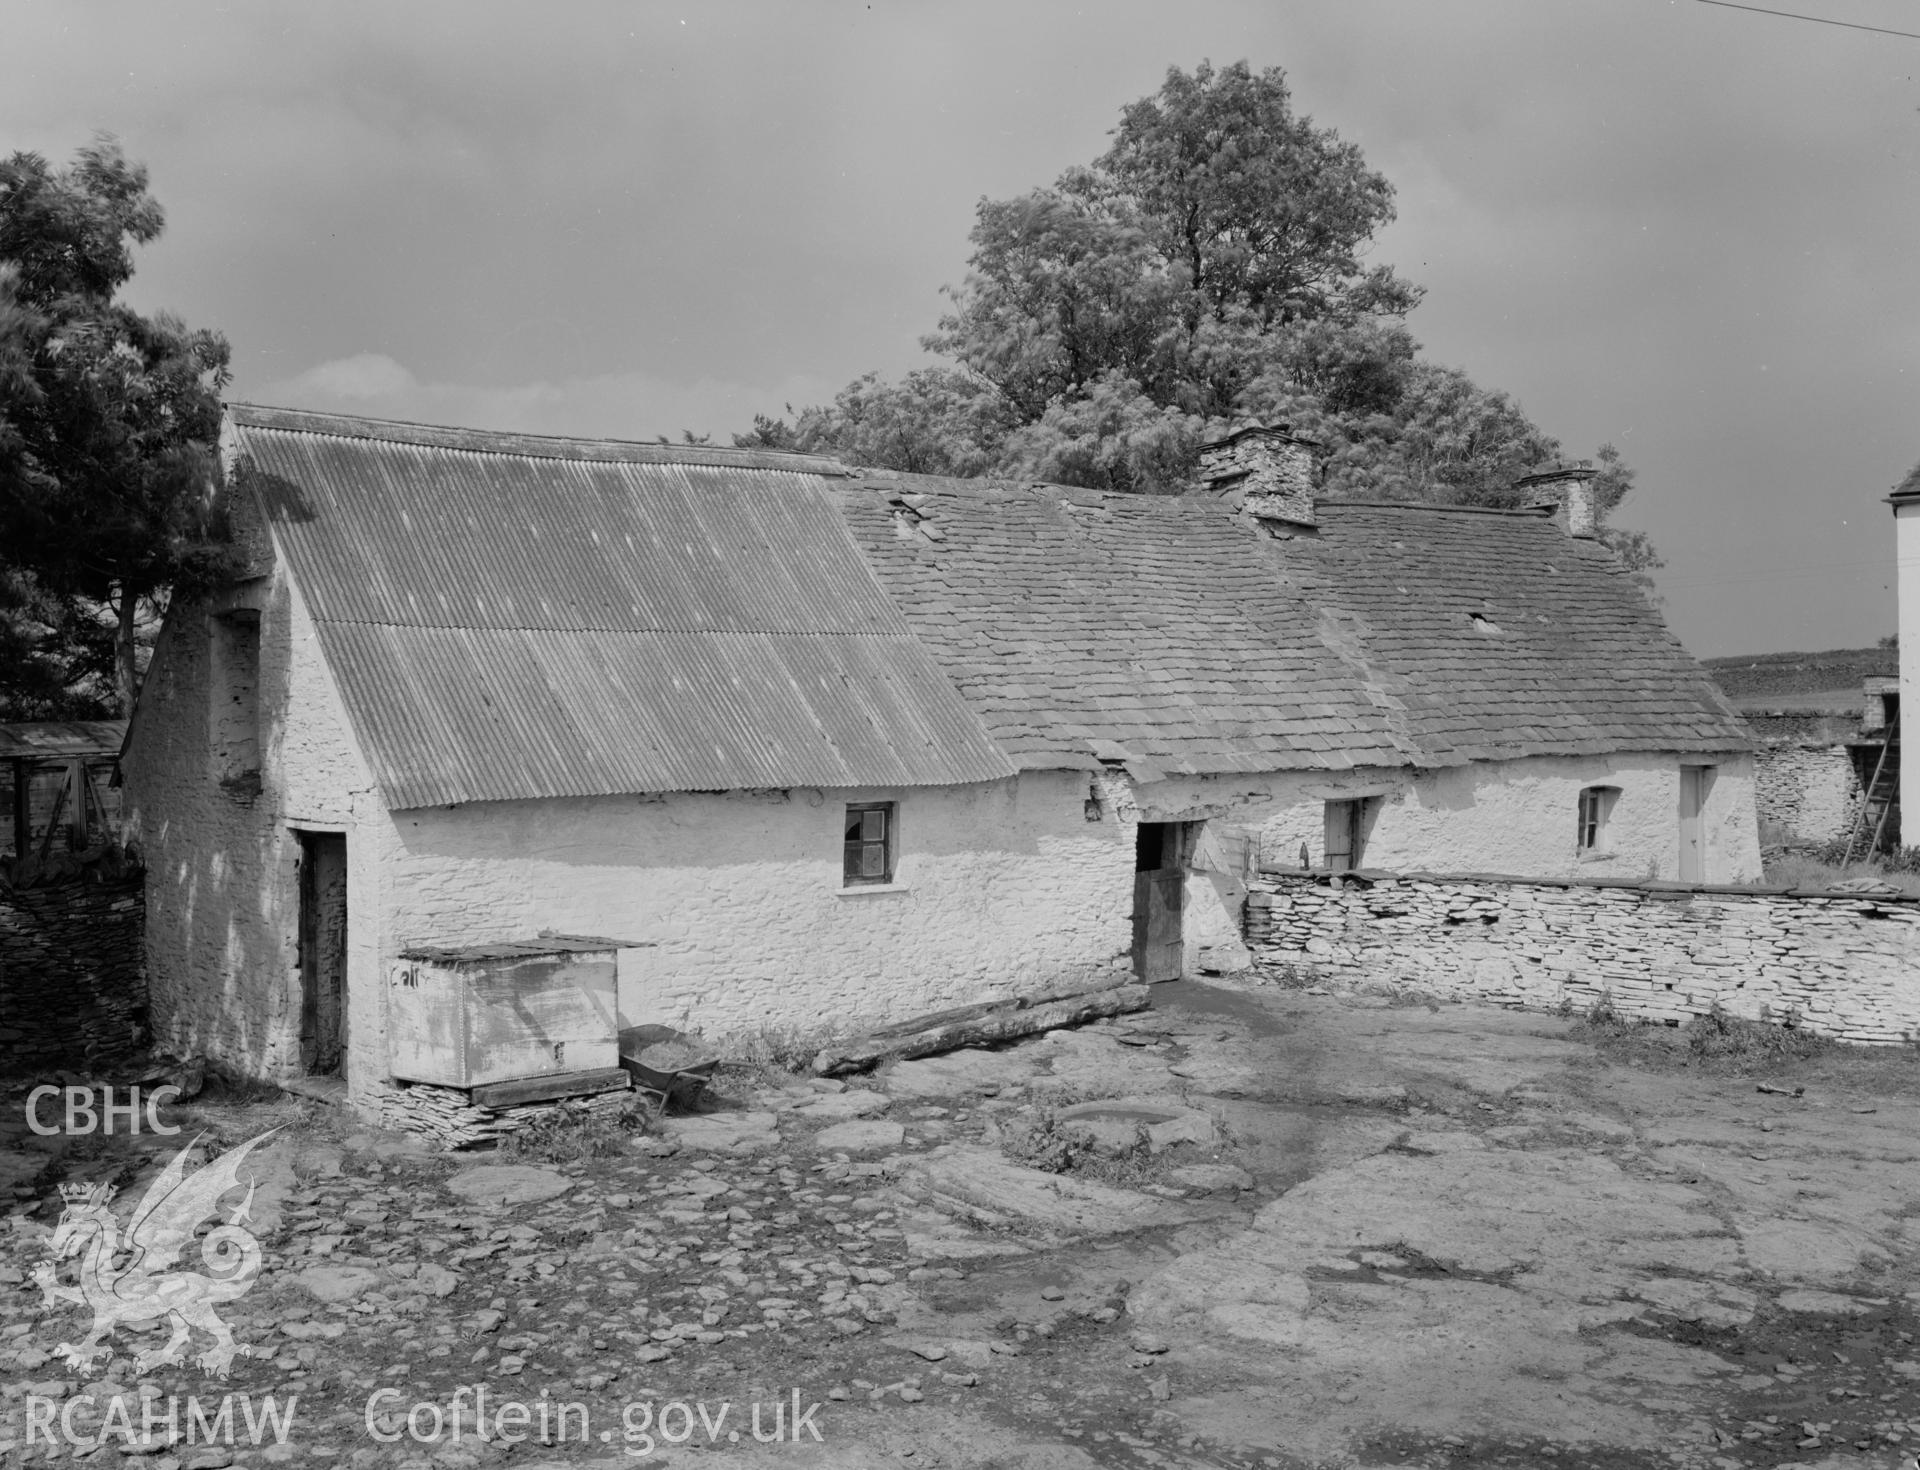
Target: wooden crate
502,1013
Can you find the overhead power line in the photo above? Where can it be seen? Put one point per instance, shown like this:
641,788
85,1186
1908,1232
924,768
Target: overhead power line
1748,575
1816,19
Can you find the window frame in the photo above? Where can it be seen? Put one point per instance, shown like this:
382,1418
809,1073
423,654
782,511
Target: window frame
888,843
235,707
1595,811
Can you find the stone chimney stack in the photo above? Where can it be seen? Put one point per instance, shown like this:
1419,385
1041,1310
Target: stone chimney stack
1269,468
1568,491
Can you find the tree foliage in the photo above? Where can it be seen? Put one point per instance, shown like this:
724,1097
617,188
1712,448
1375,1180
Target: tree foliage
936,421
1209,268
108,420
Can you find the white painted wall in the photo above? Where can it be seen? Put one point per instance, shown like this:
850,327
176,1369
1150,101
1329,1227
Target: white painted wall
1002,889
222,878
1906,549
1514,817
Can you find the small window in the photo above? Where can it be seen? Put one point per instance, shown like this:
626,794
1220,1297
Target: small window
236,696
869,844
1346,837
1596,802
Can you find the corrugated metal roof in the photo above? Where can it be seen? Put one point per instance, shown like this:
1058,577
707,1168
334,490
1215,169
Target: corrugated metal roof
61,739
529,446
507,621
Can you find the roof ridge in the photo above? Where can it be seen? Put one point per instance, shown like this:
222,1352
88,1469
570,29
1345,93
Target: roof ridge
896,633
519,445
1518,512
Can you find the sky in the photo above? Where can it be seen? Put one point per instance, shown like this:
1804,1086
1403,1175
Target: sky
1682,228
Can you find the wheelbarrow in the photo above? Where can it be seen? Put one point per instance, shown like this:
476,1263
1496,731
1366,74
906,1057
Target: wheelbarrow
679,1086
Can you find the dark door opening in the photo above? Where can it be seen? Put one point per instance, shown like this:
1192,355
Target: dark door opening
1159,899
323,953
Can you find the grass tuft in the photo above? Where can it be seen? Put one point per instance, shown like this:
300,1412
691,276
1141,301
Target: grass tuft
571,1134
1821,867
1716,1036
1039,1142
1779,1048
1290,976
779,1049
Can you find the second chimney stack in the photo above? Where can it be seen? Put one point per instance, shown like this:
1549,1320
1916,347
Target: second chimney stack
1567,490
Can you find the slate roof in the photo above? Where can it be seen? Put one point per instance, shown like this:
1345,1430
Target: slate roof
1160,632
511,617
1500,636
1173,635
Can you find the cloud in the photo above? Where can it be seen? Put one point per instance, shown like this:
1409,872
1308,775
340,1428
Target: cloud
613,405
1678,227
364,377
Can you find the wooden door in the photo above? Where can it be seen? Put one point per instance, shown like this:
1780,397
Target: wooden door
323,952
1694,782
1159,900
1345,835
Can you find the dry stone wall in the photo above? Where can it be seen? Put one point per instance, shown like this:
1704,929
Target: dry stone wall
72,984
1845,965
1806,793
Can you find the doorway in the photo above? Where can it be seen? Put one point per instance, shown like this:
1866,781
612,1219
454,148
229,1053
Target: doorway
1346,834
1695,782
323,953
1161,851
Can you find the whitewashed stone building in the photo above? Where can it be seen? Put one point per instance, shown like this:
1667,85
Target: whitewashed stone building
1905,501
808,744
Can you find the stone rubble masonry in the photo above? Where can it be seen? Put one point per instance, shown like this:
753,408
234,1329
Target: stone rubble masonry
1845,965
1806,793
444,1115
1569,489
72,986
1272,470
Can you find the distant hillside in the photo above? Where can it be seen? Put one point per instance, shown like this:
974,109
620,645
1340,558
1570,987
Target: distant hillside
1827,679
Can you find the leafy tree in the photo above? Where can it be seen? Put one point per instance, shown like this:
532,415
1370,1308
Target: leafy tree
1113,434
108,420
54,653
1209,268
936,422
1259,210
1634,548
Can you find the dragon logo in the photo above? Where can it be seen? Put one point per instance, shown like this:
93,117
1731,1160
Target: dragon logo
123,1276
